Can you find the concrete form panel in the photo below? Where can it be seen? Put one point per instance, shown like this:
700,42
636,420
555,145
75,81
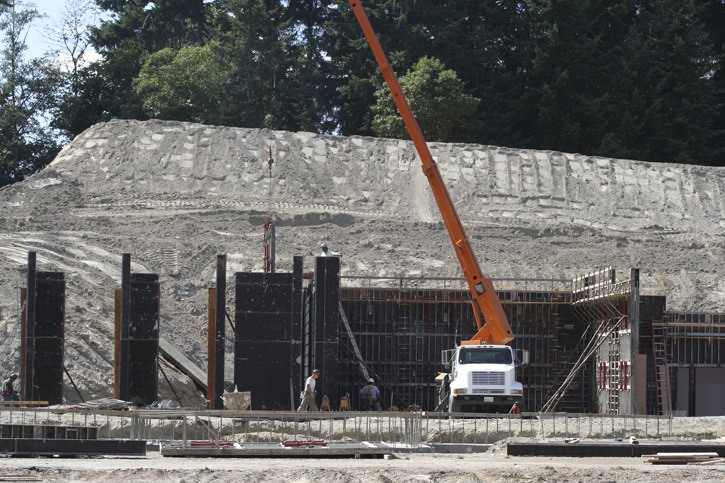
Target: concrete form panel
264,353
326,310
137,336
219,334
710,388
49,337
681,404
143,371
43,336
639,387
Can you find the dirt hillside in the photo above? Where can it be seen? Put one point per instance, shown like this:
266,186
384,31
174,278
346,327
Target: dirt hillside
174,195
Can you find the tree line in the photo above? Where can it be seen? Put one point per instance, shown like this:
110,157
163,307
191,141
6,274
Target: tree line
616,78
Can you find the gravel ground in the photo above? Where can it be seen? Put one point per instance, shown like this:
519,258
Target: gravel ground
495,467
174,195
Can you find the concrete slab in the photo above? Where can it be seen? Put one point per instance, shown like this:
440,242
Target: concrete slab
612,448
70,447
272,450
461,448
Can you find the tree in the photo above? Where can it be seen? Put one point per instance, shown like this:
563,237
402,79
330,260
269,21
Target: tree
355,75
189,84
445,112
308,89
663,103
250,33
27,144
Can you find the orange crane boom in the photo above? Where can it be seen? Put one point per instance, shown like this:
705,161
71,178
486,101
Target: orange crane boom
494,328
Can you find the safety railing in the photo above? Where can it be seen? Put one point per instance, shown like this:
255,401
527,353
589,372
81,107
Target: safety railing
396,428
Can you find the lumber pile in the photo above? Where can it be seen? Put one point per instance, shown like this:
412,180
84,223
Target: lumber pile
684,458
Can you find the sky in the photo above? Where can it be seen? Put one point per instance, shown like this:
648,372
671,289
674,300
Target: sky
38,41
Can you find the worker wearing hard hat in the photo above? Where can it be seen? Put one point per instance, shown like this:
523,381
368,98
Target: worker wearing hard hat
326,252
370,397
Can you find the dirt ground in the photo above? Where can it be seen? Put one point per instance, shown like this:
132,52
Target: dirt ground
175,195
458,468
494,465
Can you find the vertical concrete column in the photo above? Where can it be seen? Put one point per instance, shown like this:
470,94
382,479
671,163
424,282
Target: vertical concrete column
327,325
122,330
297,330
137,336
638,373
42,335
217,314
26,369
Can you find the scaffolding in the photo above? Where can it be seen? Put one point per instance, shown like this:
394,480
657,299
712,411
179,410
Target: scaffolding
696,338
400,327
584,336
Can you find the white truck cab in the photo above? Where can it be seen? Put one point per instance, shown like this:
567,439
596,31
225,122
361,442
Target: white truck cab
482,378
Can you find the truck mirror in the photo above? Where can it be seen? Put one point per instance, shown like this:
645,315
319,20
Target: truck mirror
522,357
446,356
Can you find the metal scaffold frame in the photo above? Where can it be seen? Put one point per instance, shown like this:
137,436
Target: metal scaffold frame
400,326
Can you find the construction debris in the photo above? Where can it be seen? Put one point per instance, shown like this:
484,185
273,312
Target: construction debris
303,443
682,458
102,403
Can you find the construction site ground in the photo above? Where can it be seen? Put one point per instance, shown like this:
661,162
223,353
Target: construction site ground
443,455
492,466
175,195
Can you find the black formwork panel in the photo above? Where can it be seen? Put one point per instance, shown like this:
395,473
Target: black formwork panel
651,309
48,340
143,338
143,371
326,312
266,348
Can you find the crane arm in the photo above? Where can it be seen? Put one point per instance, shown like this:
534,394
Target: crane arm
495,328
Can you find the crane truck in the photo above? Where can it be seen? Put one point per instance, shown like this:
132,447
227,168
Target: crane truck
481,375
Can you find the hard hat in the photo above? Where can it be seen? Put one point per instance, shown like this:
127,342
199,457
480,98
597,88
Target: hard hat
13,376
371,380
316,371
324,245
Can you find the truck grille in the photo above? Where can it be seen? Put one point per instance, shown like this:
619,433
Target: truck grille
489,378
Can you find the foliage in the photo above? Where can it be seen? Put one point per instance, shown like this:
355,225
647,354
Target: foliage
618,78
185,84
444,111
26,93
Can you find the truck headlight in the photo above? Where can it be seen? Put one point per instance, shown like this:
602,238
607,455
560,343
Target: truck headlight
517,391
459,391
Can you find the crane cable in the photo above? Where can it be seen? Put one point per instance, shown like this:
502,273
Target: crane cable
268,223
270,162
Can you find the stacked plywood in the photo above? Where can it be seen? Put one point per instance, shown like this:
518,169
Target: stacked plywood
684,458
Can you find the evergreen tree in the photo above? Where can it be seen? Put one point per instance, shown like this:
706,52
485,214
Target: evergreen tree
358,77
309,89
26,93
250,34
444,111
664,101
135,29
186,85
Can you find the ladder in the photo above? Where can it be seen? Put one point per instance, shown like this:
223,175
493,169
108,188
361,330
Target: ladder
613,374
662,372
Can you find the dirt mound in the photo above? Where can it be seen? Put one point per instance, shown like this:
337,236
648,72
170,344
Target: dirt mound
174,195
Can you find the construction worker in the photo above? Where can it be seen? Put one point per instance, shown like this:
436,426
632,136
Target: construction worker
370,396
309,393
326,252
9,392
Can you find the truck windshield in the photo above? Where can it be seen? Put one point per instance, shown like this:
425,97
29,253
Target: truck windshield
485,356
